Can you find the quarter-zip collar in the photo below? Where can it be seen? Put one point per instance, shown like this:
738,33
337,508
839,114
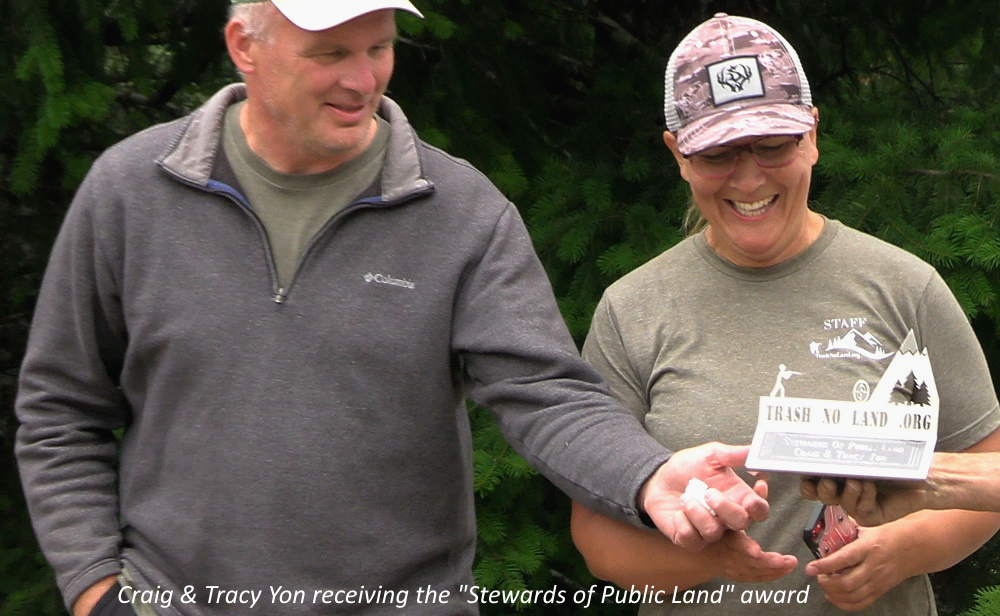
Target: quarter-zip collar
192,156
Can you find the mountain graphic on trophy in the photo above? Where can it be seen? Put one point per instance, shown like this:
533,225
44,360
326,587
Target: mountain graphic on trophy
886,432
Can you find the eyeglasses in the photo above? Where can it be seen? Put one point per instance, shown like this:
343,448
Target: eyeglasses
767,152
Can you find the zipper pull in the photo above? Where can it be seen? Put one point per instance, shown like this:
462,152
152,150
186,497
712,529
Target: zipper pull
280,297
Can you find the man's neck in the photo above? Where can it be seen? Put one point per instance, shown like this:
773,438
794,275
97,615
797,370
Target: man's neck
285,158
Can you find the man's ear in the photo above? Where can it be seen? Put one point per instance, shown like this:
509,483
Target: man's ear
682,163
238,43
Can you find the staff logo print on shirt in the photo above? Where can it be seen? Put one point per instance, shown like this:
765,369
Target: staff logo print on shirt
855,343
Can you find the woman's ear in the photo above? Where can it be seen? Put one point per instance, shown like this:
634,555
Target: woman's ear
814,136
682,163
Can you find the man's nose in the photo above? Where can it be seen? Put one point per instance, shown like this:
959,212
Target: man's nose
359,75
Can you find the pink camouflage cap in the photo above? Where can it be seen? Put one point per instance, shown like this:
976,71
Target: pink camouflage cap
734,77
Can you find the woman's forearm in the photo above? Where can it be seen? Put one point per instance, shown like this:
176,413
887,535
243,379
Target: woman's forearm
618,552
629,556
965,481
937,540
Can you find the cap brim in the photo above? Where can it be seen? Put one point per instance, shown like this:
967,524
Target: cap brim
323,15
728,125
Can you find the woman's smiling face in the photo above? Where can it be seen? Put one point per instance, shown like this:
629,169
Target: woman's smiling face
757,216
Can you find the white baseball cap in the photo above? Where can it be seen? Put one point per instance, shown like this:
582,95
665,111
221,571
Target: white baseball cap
324,14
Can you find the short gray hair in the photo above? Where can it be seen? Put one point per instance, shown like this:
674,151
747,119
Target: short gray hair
257,18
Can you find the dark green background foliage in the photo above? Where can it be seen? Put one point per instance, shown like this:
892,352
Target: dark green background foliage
560,104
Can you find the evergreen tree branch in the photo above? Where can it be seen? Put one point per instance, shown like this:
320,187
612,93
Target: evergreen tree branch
911,74
954,172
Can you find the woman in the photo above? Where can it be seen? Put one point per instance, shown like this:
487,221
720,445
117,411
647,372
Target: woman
747,306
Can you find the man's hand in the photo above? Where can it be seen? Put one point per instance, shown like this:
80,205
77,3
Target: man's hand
867,503
685,520
85,603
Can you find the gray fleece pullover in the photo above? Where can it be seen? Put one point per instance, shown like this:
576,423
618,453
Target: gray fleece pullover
312,438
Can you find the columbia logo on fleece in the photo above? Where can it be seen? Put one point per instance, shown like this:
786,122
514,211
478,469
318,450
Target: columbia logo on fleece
383,279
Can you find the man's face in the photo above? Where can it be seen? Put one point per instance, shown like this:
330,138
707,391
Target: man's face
313,95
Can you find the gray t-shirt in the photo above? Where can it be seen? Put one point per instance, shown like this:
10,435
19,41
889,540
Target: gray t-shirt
293,208
689,342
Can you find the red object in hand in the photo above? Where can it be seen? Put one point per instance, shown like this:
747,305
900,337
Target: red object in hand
829,528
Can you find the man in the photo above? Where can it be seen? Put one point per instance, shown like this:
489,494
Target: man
955,481
284,299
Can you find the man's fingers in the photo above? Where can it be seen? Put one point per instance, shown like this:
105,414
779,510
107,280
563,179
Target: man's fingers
733,456
680,530
712,498
709,526
728,513
756,505
760,487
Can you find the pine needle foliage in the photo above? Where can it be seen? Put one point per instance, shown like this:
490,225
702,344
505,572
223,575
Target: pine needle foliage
98,72
27,586
912,157
77,76
987,603
517,520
